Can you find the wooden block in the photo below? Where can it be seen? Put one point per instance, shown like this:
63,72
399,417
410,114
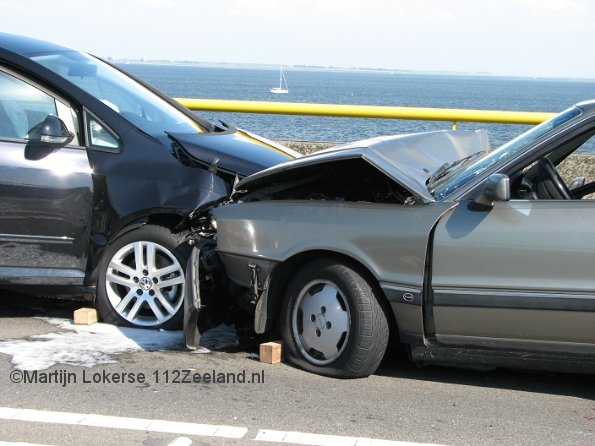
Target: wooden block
85,316
270,352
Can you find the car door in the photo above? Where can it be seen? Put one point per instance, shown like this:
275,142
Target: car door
519,275
45,197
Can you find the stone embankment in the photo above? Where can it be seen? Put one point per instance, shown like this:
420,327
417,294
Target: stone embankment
306,147
575,166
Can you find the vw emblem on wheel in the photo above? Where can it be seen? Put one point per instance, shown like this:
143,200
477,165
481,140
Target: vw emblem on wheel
145,283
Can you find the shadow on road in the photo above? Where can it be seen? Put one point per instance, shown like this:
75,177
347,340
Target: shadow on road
569,384
16,305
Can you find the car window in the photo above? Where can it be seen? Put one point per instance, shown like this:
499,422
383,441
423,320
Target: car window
566,171
22,107
578,170
456,179
124,95
100,137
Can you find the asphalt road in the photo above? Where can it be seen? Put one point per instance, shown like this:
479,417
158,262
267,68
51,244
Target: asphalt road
401,403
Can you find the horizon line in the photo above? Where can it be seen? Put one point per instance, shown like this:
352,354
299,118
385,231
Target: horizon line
400,71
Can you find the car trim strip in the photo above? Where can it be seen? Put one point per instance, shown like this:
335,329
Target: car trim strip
536,300
25,272
21,238
524,345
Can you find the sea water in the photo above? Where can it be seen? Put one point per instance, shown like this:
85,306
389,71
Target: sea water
366,88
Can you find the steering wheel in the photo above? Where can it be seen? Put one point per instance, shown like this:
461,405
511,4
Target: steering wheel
550,183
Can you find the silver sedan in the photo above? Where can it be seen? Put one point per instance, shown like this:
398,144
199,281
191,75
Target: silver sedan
464,254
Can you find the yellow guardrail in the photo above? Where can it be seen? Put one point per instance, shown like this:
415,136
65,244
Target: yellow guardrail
453,115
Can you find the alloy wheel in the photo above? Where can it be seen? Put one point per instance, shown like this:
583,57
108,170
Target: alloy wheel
145,283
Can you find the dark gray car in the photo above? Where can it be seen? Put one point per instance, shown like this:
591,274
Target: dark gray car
98,172
465,254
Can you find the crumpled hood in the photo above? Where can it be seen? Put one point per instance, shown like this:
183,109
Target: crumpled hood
408,159
233,151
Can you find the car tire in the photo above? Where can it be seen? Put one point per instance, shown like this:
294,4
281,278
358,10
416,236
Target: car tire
141,279
332,322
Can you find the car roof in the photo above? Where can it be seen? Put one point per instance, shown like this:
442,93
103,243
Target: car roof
587,106
28,45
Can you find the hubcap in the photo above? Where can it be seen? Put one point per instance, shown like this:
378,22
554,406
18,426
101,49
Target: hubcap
145,283
320,322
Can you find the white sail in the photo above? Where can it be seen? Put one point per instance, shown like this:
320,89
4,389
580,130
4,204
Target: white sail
282,88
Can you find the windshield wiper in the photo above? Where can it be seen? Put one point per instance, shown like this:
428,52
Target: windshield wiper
439,173
447,167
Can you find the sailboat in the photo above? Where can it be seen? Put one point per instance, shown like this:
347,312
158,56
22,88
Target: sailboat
282,88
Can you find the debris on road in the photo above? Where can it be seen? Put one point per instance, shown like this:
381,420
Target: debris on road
85,316
270,352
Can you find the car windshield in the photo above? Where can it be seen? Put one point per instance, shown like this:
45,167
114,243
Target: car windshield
123,94
465,172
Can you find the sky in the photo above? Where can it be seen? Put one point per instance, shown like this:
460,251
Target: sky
535,38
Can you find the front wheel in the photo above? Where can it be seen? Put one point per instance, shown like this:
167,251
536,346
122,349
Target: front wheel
141,279
332,321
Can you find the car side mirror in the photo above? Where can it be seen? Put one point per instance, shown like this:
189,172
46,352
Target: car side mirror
496,188
577,182
53,131
47,136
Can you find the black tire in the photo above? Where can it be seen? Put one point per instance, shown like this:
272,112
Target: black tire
311,341
153,290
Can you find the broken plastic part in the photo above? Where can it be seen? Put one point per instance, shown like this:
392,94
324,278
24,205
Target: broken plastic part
192,300
261,313
254,281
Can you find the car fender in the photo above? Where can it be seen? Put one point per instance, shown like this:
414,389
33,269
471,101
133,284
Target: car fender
389,240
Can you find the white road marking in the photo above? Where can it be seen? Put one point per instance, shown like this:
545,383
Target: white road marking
181,441
19,443
140,424
327,440
181,428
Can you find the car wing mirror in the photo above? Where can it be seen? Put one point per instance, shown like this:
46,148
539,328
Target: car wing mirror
53,131
577,182
496,188
47,136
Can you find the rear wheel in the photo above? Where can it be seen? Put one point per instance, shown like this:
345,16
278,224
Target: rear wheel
333,323
141,279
